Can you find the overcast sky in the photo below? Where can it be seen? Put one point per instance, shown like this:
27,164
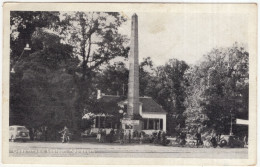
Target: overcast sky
187,37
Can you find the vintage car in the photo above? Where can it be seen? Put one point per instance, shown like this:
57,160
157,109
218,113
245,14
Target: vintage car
230,141
17,132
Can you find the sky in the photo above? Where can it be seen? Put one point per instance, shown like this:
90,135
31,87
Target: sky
165,35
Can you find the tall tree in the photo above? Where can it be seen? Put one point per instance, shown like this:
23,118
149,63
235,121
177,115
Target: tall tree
95,37
42,90
113,79
167,86
146,70
96,40
221,83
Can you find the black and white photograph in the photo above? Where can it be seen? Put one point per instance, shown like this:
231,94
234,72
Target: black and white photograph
149,81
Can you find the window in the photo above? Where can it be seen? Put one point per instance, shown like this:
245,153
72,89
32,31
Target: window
100,122
156,122
145,123
21,128
161,124
106,122
152,124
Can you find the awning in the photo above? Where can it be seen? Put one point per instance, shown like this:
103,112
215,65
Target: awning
242,122
89,115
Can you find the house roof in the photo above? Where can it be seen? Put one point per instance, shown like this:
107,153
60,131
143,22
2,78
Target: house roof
148,104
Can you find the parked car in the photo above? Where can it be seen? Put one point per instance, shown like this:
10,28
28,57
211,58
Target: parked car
230,141
17,132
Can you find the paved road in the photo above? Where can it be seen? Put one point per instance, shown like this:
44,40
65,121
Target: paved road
54,149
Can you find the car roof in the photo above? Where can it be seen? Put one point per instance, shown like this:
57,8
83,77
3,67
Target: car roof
16,126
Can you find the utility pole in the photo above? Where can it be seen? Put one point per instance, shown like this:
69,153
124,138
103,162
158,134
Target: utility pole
231,124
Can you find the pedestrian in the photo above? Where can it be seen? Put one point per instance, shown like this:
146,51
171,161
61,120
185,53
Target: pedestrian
245,140
111,135
31,131
129,136
163,138
141,137
103,135
182,138
99,135
159,136
213,141
198,139
45,133
125,136
121,136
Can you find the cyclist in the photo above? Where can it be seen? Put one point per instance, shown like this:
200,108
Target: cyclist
65,134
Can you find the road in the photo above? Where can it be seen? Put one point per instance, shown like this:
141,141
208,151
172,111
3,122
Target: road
80,149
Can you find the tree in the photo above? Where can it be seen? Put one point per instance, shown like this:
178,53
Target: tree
145,75
113,79
96,40
167,86
23,24
194,113
95,37
221,83
43,89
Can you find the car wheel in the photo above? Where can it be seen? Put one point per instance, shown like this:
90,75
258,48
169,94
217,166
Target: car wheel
223,143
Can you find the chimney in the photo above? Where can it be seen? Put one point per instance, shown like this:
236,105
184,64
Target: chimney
99,95
133,85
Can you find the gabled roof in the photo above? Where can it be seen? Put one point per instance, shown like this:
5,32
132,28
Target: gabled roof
148,104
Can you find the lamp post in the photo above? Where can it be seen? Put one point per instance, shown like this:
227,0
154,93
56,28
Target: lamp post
27,48
120,114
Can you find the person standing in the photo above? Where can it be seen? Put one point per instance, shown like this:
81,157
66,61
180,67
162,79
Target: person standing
104,135
213,141
245,140
129,136
121,136
198,139
163,138
159,137
99,135
125,136
141,137
111,135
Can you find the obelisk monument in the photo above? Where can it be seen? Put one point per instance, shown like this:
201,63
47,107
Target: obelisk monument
133,83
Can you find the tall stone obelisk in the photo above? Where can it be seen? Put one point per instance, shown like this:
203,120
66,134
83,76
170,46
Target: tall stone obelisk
133,83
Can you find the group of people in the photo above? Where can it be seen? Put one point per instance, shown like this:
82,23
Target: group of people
38,134
102,135
129,136
124,136
159,138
